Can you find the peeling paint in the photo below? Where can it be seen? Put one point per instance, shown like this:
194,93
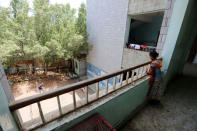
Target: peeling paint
5,122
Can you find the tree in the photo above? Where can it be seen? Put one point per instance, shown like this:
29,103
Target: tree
81,21
17,35
50,33
14,5
81,29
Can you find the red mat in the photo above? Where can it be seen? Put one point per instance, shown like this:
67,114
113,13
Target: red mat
94,123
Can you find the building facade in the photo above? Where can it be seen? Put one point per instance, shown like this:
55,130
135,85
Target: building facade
180,43
113,23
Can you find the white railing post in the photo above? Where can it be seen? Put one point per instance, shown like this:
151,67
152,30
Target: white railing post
74,100
107,87
138,71
86,94
59,105
114,83
148,66
127,77
121,77
41,113
17,119
97,90
132,77
143,74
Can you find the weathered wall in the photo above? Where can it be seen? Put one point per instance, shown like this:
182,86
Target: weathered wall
6,96
106,25
6,120
5,85
134,57
180,38
146,6
112,111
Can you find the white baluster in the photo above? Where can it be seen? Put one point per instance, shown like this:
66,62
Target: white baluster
41,113
86,94
114,83
97,90
127,77
121,77
74,100
107,87
59,105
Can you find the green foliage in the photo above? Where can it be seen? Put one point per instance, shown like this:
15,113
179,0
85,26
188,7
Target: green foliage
47,32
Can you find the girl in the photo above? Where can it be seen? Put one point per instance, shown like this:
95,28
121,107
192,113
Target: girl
155,78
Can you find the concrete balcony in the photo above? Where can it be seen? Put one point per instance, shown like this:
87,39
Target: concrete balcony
132,57
146,6
117,103
63,108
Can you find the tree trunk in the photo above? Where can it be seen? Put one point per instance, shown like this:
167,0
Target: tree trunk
45,68
33,68
73,65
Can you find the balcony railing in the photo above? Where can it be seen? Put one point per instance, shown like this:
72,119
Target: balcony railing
124,76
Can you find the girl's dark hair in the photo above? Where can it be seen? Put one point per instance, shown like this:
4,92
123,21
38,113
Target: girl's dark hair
154,54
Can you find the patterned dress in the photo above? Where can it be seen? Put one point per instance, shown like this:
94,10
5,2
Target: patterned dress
155,80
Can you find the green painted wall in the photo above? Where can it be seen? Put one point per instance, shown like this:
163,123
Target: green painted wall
148,32
181,34
117,110
6,120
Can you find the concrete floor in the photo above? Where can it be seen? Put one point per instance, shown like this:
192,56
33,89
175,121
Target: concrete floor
190,69
178,111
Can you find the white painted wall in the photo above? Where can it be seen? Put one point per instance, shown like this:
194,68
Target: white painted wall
133,58
106,23
145,6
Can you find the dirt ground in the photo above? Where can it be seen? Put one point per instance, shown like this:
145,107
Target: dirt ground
27,85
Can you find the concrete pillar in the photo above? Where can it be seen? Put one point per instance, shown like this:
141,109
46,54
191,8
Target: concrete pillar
6,119
180,37
127,30
5,85
165,25
173,31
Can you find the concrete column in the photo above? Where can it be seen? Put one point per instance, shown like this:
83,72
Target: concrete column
5,85
6,119
165,25
127,30
173,31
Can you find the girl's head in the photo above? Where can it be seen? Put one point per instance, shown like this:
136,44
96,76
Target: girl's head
153,55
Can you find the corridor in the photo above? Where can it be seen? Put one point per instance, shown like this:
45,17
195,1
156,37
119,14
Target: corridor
178,111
